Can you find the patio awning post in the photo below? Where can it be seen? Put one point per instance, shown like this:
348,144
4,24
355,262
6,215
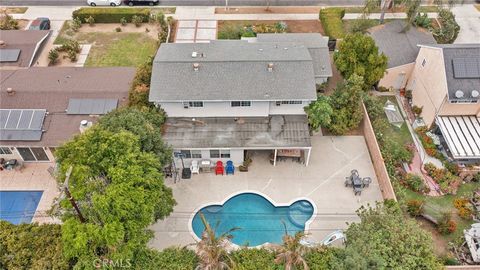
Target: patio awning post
275,157
308,156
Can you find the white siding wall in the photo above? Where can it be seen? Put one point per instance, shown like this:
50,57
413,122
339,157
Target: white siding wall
224,109
288,108
236,155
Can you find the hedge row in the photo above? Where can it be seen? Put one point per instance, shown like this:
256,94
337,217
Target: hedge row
331,19
111,15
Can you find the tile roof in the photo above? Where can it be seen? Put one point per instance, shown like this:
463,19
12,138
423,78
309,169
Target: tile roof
232,70
254,132
51,88
400,47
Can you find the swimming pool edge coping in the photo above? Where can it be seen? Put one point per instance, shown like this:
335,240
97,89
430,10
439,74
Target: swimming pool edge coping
235,246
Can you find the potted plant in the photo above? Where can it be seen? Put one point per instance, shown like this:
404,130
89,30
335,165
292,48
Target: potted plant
244,166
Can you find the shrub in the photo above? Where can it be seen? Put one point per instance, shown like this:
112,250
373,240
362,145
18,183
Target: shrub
443,177
75,24
137,20
463,207
123,21
446,225
172,258
415,207
331,19
417,110
448,30
281,27
111,15
422,20
361,25
382,89
414,182
52,56
72,55
70,45
253,259
322,258
7,22
118,29
90,20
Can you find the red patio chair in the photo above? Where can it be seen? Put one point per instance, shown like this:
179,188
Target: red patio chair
219,168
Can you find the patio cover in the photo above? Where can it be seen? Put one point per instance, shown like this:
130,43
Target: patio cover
462,134
274,132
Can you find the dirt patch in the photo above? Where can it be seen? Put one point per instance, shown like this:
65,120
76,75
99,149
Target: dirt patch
271,10
15,10
300,26
335,79
440,245
150,29
22,24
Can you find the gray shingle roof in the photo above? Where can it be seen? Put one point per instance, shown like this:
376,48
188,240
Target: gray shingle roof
400,47
232,70
316,44
258,132
29,42
458,51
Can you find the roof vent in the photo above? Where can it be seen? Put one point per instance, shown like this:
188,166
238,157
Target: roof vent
196,66
475,94
194,54
459,94
270,67
84,125
10,91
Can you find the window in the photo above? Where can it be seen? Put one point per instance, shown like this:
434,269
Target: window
195,104
191,153
424,62
32,154
288,102
224,153
5,151
241,104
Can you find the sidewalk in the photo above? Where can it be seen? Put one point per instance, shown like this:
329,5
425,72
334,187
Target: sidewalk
208,13
468,17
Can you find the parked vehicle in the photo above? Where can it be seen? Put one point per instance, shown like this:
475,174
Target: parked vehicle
40,24
141,2
112,3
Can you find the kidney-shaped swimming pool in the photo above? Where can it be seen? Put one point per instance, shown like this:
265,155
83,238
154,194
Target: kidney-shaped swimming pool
258,220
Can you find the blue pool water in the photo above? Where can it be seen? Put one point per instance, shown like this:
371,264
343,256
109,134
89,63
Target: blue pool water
19,206
258,220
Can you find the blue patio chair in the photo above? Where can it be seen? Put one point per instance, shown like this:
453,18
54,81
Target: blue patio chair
229,168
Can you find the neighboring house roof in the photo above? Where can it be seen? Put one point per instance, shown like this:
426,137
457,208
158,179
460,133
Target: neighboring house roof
246,133
400,46
316,44
28,42
232,70
462,69
55,89
462,134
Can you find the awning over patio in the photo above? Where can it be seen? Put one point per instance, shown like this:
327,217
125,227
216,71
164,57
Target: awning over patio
462,134
274,132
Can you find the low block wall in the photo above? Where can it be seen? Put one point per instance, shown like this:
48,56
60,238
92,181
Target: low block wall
376,156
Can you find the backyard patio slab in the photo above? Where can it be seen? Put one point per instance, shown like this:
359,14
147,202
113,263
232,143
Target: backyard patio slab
322,182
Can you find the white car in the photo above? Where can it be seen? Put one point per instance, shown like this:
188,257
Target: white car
104,2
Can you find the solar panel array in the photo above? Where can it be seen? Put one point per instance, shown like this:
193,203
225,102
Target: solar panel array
9,55
21,124
466,67
91,106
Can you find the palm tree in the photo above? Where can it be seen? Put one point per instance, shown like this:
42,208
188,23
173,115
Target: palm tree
291,252
211,250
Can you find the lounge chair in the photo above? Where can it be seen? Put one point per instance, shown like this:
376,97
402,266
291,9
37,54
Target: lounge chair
219,168
229,168
194,167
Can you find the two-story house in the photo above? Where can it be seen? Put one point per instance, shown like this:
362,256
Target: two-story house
227,97
445,83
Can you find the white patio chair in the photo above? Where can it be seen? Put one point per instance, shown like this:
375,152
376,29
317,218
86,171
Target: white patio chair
194,167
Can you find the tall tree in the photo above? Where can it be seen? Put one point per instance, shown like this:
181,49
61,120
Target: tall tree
319,113
291,253
346,101
119,190
359,55
386,239
144,122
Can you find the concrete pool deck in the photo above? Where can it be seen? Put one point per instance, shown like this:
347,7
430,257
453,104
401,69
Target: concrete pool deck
322,182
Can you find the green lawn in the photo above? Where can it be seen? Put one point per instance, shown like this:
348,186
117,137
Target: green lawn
118,49
401,135
435,206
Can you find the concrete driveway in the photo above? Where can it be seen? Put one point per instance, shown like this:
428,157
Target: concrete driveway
468,17
322,182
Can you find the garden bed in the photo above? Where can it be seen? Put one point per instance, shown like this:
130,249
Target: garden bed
15,10
233,29
359,9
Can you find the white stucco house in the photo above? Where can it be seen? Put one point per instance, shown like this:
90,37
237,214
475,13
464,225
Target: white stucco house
225,98
445,83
